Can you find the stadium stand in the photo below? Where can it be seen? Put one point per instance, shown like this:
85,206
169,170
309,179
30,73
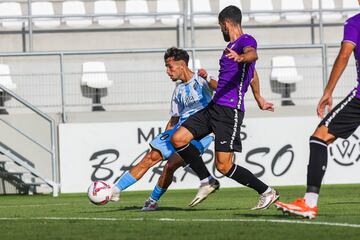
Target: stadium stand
296,17
264,5
327,16
11,9
130,37
75,8
44,9
202,7
225,3
168,6
138,7
107,7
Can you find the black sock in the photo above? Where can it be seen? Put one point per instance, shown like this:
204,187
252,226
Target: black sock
191,156
317,164
245,177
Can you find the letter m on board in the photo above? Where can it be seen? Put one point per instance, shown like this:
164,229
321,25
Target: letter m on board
144,137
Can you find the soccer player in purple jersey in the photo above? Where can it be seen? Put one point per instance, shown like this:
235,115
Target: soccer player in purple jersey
223,116
341,122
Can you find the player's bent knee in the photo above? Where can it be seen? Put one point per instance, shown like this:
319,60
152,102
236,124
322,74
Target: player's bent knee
323,134
222,168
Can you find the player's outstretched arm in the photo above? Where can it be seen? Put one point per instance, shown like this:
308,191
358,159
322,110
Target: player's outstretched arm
339,66
212,82
255,87
249,55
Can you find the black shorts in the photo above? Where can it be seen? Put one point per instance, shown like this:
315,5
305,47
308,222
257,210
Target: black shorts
224,122
344,119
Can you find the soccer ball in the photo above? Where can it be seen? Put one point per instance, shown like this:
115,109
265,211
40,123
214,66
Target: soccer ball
99,193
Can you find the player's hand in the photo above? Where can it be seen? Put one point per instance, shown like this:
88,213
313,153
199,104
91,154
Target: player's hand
325,101
202,73
233,55
264,105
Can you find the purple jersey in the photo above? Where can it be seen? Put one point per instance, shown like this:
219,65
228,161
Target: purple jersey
352,35
235,78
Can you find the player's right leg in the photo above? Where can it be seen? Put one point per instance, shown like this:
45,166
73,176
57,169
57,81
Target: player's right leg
161,149
135,173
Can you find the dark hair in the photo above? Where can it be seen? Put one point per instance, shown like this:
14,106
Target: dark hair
231,13
177,53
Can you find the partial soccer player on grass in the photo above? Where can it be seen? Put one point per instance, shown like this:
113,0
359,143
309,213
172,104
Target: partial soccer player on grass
191,95
224,115
340,122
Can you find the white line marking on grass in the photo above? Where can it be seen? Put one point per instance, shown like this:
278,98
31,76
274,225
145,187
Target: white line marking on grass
35,205
308,222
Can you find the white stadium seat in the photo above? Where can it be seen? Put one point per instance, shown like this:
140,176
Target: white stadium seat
94,83
138,7
168,6
327,5
283,69
351,4
296,17
237,3
94,75
42,9
283,77
264,5
202,6
5,78
11,9
107,7
75,8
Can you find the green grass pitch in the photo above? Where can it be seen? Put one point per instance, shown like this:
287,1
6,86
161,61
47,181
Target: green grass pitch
224,215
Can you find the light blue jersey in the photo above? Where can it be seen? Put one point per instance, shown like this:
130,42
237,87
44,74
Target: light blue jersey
187,99
190,97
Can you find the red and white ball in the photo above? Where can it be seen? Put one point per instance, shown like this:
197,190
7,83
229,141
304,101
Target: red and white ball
99,193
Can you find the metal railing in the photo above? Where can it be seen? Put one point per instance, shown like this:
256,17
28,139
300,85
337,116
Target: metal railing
186,16
140,86
52,150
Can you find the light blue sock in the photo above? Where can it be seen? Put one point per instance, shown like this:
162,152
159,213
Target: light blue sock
126,181
157,193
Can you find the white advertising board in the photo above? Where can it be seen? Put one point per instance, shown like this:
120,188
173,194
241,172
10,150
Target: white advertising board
274,149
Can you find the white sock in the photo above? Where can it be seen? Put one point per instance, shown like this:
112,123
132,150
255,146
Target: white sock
205,180
115,189
311,199
267,190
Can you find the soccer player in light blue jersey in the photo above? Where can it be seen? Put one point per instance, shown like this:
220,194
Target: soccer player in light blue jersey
191,95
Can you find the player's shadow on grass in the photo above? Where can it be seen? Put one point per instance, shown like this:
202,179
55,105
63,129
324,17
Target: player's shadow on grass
138,208
270,216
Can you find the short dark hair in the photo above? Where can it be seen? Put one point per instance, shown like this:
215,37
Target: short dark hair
231,13
177,54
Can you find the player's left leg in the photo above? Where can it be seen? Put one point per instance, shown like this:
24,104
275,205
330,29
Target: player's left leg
173,163
224,164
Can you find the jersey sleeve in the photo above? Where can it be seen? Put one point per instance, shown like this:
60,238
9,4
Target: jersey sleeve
204,84
174,108
247,41
351,32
